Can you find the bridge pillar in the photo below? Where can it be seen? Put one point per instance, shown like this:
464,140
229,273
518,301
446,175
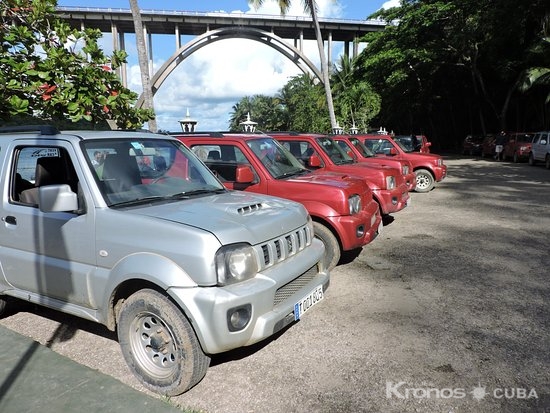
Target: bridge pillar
178,37
329,51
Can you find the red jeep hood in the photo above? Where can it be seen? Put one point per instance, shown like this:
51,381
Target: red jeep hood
341,180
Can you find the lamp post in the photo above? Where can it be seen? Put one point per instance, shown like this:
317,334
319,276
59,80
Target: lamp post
248,125
188,124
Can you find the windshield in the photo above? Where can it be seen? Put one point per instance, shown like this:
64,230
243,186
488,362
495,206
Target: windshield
133,171
334,151
382,145
363,150
403,146
277,160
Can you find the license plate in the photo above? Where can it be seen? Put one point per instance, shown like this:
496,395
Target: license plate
308,301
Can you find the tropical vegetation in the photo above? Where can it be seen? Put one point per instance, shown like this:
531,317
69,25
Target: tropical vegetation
442,68
52,73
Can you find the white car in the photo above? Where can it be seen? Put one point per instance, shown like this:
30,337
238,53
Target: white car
540,149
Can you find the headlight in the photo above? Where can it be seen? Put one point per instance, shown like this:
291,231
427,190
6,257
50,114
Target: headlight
235,263
310,227
405,169
354,202
390,182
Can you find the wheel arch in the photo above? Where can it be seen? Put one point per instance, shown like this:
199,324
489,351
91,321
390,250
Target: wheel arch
425,167
139,271
330,227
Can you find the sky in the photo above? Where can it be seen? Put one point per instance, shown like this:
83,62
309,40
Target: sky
208,83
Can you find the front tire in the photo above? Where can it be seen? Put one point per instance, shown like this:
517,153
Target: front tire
425,181
332,247
3,305
159,344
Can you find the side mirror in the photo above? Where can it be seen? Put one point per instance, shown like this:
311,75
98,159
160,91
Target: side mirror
393,151
244,174
57,198
428,144
314,161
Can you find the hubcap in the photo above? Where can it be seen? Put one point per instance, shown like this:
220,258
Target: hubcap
153,345
422,181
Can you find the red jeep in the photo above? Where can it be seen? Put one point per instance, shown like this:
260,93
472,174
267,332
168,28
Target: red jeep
429,168
357,150
518,146
345,215
414,143
321,152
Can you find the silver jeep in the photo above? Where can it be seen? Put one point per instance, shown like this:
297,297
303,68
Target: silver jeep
132,231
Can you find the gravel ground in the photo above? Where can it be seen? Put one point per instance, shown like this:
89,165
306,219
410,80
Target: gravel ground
446,311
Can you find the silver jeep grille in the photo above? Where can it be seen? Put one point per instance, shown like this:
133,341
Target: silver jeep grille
288,290
279,249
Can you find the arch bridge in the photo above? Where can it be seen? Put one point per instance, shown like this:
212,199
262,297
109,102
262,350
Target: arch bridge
285,34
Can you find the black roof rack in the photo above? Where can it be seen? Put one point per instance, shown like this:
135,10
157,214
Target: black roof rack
43,129
216,134
278,132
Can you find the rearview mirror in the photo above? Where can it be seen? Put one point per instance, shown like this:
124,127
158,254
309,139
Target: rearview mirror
244,174
314,161
57,198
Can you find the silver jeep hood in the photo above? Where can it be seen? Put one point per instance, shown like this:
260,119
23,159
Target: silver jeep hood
233,216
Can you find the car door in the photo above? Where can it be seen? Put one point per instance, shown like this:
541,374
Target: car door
47,255
539,146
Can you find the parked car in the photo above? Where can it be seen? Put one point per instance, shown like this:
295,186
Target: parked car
488,146
540,149
429,168
518,146
414,143
357,150
345,215
179,266
472,145
321,152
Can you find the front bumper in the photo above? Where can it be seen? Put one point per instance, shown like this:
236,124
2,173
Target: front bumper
393,200
440,172
357,230
271,294
410,181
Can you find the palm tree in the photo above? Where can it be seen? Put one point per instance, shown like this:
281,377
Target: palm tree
310,6
143,63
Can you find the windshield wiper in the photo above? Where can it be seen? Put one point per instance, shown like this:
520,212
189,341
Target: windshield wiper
139,201
293,173
344,162
194,192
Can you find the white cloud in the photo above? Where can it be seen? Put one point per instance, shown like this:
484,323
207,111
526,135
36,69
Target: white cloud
391,3
210,81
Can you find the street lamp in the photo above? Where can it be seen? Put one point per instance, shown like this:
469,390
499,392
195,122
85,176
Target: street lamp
188,124
248,125
338,130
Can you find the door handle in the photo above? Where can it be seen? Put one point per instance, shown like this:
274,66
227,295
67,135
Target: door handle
10,219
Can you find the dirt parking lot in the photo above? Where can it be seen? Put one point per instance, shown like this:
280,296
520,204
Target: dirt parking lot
446,311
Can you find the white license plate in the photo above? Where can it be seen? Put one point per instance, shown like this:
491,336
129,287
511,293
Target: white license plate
308,301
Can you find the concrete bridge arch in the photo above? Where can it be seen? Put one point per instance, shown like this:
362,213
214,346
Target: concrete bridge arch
251,33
